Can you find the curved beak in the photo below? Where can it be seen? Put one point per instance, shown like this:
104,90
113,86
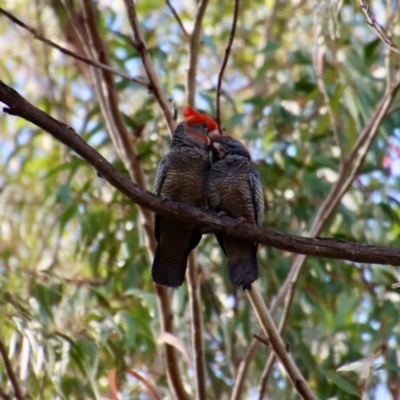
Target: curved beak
213,133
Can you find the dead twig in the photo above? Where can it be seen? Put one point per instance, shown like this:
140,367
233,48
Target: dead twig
224,64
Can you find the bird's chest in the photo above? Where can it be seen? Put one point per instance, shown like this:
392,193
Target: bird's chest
234,193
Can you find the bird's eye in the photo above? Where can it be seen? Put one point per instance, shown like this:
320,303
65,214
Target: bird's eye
204,126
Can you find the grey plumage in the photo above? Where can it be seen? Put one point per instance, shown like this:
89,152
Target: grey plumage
181,177
234,187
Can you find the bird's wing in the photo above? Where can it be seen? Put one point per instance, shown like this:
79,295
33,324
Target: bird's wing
160,178
257,196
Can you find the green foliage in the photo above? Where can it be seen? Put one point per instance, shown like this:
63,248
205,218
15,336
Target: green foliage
76,293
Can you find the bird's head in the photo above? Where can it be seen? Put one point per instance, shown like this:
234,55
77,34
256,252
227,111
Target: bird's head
223,146
199,125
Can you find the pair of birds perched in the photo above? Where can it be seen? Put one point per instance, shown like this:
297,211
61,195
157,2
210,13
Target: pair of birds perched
228,185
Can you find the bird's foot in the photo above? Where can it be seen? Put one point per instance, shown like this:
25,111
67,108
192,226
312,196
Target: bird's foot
240,220
222,214
165,198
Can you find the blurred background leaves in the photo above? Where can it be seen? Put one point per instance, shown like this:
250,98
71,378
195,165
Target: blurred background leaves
76,293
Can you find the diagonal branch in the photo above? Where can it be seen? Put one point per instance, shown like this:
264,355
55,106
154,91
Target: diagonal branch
271,359
141,47
108,99
320,247
224,64
178,19
10,372
70,53
277,345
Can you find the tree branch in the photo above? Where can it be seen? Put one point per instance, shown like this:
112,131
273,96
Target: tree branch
277,345
141,47
272,357
320,247
192,272
70,53
10,372
224,64
178,19
240,377
197,327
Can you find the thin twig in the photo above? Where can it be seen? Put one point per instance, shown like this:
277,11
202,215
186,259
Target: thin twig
320,247
149,386
194,44
240,377
141,47
197,328
261,339
380,31
197,325
178,19
277,345
192,275
10,372
108,98
64,50
271,359
224,64
174,375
